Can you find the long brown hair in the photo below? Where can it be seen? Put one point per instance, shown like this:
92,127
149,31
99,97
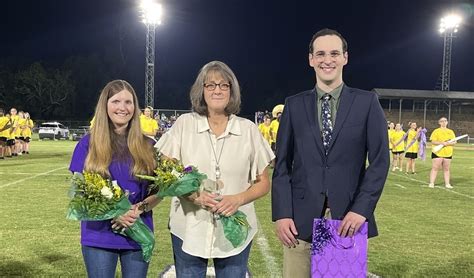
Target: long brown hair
101,149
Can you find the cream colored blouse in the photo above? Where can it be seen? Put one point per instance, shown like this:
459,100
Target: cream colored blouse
245,154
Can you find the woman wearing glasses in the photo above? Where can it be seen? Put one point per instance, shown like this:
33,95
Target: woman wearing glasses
233,154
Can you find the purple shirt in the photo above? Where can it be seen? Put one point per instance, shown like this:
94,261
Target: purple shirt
99,233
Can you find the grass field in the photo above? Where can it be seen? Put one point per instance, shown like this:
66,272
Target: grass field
423,232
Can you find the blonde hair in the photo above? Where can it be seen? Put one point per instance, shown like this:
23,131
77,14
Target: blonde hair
101,148
197,90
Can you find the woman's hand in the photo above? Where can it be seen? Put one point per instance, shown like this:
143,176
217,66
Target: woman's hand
205,200
126,220
228,205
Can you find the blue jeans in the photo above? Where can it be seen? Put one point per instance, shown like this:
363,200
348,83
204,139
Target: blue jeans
188,266
102,262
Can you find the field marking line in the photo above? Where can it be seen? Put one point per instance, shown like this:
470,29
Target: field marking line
22,173
32,177
399,185
262,242
424,185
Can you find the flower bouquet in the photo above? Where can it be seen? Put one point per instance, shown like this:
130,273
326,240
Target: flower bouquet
173,179
95,198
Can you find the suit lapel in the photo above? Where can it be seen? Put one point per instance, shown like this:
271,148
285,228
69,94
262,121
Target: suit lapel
310,105
347,97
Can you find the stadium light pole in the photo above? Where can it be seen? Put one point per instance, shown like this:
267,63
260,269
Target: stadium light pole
448,28
151,17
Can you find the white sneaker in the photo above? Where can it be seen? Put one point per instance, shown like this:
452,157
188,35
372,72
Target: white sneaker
431,185
448,186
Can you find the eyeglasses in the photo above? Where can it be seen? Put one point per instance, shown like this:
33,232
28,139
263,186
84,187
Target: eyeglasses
320,55
212,86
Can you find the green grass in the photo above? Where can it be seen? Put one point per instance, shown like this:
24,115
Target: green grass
423,232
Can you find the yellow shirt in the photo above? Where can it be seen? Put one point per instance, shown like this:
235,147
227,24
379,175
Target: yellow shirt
21,126
390,131
265,131
410,137
442,135
274,129
395,138
4,121
148,125
16,130
26,131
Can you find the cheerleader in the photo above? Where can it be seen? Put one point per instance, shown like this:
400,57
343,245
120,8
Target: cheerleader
4,133
27,131
442,158
397,140
20,130
265,129
411,152
15,132
391,129
148,124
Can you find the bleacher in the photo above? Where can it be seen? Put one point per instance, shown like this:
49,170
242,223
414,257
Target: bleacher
426,107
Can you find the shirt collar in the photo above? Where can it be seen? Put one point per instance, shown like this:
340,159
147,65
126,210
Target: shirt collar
233,126
335,94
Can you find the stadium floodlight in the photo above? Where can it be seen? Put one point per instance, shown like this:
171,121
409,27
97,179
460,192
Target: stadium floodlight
151,17
448,26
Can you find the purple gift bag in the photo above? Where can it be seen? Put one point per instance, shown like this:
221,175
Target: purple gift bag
335,256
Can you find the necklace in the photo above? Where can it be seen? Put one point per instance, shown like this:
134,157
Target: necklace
218,159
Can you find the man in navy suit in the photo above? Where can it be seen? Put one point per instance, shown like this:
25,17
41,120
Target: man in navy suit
331,153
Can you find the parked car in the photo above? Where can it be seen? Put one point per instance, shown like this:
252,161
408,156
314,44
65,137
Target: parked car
53,130
78,133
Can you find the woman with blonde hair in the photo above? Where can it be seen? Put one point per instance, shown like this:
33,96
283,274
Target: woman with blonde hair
148,123
412,148
233,154
442,158
26,133
397,140
116,149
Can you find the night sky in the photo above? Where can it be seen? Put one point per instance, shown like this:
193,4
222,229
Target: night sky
392,44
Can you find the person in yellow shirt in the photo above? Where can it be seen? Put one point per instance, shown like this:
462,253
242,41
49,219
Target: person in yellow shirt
4,133
397,140
442,158
10,138
15,131
27,132
265,129
411,152
148,124
391,129
19,135
274,130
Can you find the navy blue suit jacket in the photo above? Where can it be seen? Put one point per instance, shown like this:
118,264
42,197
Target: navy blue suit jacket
353,173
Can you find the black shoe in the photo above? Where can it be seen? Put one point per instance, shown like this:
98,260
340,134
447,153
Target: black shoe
27,152
2,157
23,152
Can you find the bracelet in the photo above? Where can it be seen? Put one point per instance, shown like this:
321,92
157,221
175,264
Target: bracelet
143,206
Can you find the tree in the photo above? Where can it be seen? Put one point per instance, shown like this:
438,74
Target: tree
45,92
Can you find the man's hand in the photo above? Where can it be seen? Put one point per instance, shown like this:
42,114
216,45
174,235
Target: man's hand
351,224
286,232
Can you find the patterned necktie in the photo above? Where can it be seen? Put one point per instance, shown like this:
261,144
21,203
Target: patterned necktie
327,122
